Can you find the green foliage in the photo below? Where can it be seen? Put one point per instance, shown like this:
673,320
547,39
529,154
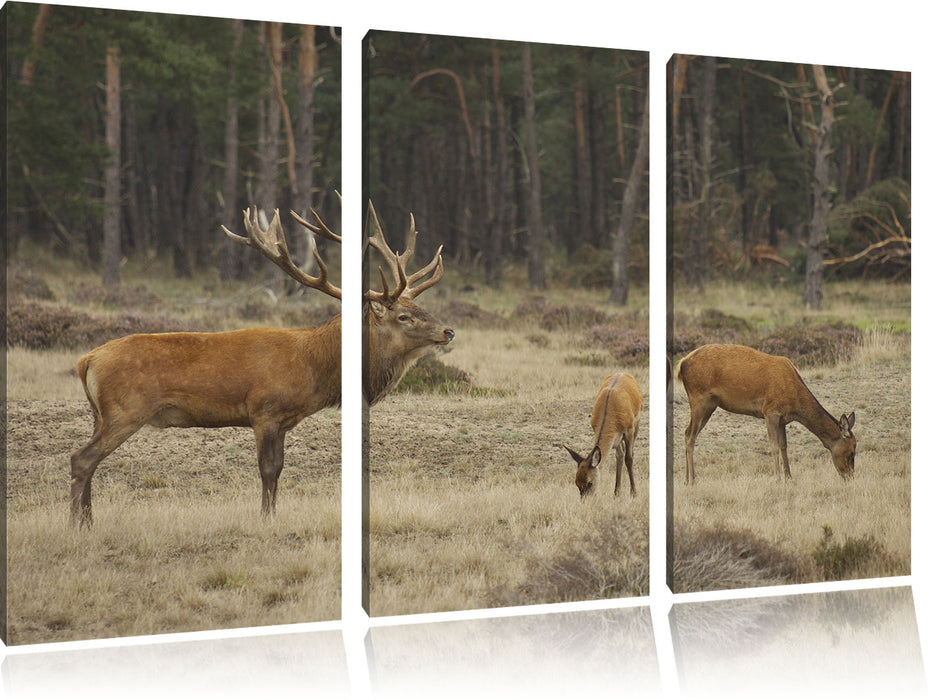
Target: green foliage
175,80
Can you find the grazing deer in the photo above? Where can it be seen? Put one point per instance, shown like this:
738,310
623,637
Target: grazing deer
615,418
267,379
742,380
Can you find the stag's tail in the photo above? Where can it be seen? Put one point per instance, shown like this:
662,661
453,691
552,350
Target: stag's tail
89,382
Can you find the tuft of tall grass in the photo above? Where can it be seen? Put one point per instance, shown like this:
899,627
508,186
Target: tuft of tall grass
720,558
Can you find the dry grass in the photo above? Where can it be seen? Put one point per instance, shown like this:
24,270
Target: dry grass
178,543
816,527
472,501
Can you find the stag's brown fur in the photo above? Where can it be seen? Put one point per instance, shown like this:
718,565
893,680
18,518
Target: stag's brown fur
742,380
397,336
614,420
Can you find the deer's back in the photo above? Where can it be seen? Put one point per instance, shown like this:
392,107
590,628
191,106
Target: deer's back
739,379
618,402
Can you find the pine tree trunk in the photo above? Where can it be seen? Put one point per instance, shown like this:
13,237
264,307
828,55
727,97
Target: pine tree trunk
270,119
230,214
583,169
110,268
536,266
499,196
818,232
620,247
703,220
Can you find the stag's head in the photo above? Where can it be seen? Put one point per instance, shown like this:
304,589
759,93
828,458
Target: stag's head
843,449
586,473
399,330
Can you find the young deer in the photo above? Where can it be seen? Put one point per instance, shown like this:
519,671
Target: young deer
267,379
742,380
615,418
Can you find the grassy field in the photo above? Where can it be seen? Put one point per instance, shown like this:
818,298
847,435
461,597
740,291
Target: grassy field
178,543
472,500
738,525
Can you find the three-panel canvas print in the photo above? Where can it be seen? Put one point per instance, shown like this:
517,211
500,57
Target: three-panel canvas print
173,260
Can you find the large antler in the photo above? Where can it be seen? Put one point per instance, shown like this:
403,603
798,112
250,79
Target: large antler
272,244
397,264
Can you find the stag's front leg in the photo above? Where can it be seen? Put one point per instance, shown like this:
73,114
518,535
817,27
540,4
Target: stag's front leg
270,449
776,434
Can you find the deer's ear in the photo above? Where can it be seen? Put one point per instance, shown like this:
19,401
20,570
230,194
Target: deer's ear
595,456
575,455
846,423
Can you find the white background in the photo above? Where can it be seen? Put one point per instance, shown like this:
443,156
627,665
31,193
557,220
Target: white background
894,35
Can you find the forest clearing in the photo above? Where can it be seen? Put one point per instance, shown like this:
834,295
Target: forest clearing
738,525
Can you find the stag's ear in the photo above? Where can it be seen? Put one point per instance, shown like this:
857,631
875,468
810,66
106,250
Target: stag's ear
575,455
378,309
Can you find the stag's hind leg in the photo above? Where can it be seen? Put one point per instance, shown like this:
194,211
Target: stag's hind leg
107,437
699,413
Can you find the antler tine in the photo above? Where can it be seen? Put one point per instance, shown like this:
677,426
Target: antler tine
272,244
413,292
379,243
318,227
397,263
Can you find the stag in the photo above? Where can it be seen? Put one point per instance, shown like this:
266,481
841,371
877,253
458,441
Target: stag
742,380
267,379
615,418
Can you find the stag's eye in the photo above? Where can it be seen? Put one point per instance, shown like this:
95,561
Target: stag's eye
403,318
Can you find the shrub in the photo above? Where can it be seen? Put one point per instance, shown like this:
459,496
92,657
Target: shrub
854,558
719,559
809,346
626,345
431,374
460,313
551,317
611,561
123,297
713,319
42,327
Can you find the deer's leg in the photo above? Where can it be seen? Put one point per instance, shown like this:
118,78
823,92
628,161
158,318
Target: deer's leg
270,447
618,465
776,434
629,457
781,441
699,414
107,437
